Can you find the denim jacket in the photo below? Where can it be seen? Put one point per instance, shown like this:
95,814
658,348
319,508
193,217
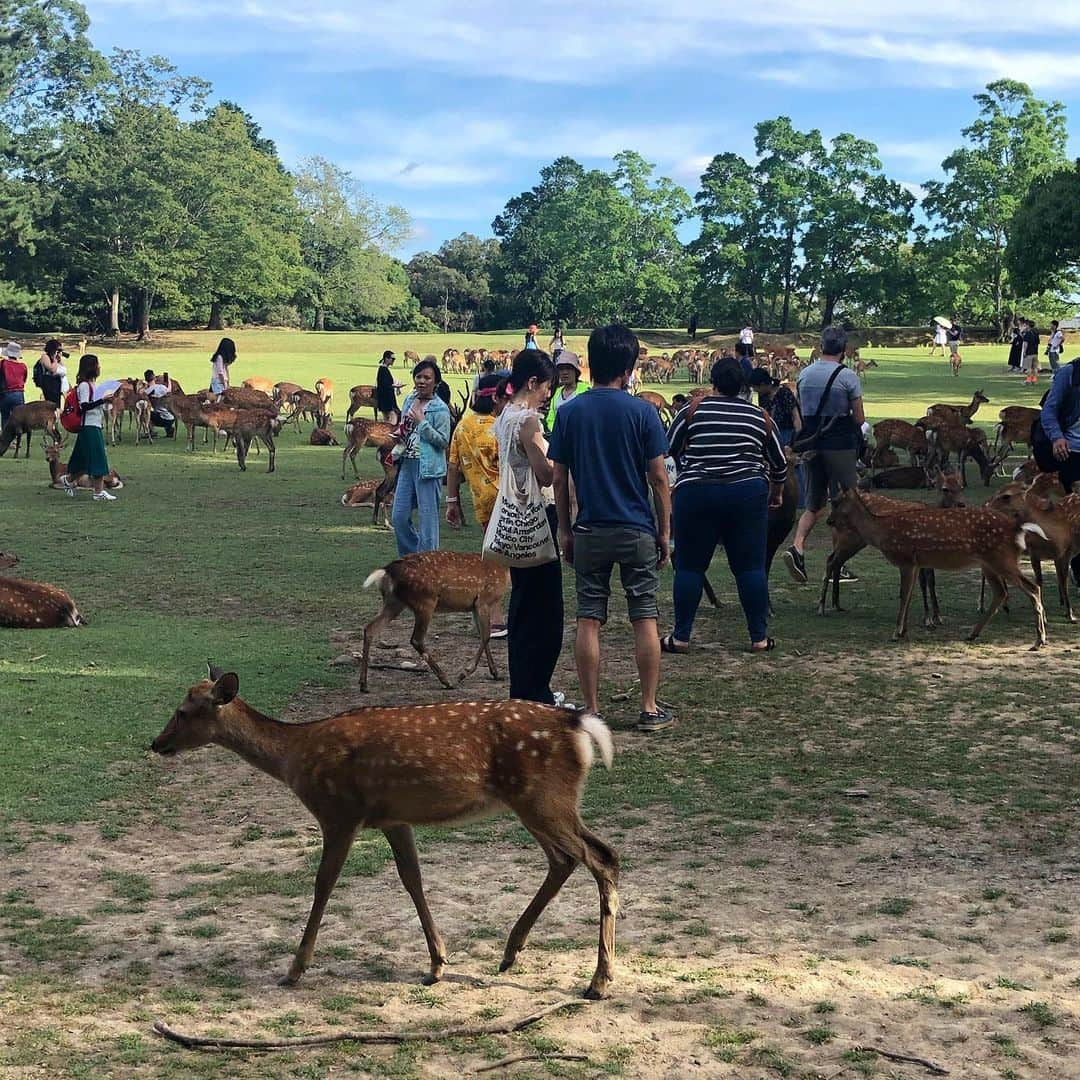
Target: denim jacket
434,435
1061,410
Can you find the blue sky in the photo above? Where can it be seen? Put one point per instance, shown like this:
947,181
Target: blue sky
450,109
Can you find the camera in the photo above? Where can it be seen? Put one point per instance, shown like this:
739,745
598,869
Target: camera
65,355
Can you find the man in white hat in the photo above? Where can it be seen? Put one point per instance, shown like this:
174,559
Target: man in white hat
12,380
568,378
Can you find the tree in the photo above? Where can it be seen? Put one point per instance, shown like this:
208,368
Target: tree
1015,140
1044,239
344,239
453,285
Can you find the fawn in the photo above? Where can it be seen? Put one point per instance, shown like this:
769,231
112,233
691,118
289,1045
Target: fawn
391,769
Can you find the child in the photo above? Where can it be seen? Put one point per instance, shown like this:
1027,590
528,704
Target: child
88,458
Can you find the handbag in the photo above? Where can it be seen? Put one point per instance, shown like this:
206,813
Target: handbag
805,443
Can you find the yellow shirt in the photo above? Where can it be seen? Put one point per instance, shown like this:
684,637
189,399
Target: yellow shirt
475,451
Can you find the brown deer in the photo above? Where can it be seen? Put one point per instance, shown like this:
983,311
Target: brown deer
951,539
1014,427
963,413
966,442
188,410
257,382
322,436
305,403
658,402
903,436
247,397
379,493
434,581
58,468
324,387
361,397
361,433
393,768
251,424
26,418
31,605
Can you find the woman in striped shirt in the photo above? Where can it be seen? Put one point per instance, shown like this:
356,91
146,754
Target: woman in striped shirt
731,471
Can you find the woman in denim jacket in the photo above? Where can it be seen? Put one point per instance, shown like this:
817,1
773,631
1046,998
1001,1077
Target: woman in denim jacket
424,435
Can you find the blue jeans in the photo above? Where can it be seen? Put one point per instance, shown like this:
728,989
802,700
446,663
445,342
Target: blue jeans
8,402
414,493
1055,359
705,514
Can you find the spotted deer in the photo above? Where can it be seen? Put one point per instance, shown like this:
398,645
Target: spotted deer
434,581
952,539
26,418
362,397
903,436
361,433
963,413
324,387
395,768
32,605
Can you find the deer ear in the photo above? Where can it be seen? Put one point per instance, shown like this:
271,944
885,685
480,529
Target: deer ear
225,688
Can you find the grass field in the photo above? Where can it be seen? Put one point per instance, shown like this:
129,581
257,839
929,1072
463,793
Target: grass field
847,843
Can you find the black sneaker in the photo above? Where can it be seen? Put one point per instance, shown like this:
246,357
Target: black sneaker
846,575
657,721
796,563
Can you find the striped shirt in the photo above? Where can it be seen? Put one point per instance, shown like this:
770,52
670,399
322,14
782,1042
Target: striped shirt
726,441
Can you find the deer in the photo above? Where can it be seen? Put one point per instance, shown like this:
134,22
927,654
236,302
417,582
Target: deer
394,768
322,436
361,433
379,493
188,410
658,402
257,382
963,413
253,424
33,605
952,539
57,468
432,581
1014,427
695,368
247,397
31,416
966,442
362,397
904,436
324,387
309,404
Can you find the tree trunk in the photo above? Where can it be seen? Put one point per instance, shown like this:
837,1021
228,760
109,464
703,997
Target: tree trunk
446,312
830,308
114,311
320,318
214,322
141,314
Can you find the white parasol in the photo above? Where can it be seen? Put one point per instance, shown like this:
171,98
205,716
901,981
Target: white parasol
942,321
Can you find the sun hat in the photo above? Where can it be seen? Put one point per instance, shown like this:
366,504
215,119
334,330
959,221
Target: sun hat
566,358
13,351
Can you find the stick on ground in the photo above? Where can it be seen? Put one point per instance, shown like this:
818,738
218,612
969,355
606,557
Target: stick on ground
907,1059
506,1027
506,1062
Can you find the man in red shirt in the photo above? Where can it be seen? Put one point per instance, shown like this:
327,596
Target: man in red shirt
12,380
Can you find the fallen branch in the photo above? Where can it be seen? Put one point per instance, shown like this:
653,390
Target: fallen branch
906,1059
504,1028
506,1062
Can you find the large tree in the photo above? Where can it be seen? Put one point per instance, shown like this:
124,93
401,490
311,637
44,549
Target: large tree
453,285
1015,140
1044,240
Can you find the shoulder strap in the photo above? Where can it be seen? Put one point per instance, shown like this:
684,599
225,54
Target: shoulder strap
828,386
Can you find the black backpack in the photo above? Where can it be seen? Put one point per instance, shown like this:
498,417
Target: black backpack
1042,448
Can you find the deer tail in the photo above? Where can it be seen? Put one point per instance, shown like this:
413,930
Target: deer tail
375,577
1028,527
595,731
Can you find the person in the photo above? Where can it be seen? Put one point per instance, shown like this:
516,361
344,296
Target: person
12,380
954,335
779,402
224,357
745,346
731,472
1054,346
557,343
830,400
530,337
88,457
535,614
940,339
1016,346
423,437
50,374
158,387
612,446
1029,355
691,328
1060,417
386,389
568,377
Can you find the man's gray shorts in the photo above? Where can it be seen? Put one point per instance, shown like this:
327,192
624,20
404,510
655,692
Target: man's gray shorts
827,473
597,551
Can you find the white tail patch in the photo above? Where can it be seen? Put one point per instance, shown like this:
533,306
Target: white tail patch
374,577
1028,527
598,733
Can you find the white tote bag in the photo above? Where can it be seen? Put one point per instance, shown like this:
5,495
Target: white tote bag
518,533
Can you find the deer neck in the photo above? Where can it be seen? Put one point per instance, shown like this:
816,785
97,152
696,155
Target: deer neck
262,742
54,468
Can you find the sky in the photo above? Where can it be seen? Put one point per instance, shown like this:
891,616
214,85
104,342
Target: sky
450,109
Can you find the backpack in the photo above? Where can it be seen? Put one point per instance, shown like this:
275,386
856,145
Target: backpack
39,375
1042,448
71,415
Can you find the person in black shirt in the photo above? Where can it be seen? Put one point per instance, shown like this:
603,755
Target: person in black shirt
49,371
386,389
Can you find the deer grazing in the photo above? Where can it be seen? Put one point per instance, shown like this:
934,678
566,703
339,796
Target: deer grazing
1014,427
305,403
963,413
393,768
950,437
31,605
433,581
951,539
26,418
361,433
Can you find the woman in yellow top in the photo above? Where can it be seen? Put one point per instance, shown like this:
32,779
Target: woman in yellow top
474,458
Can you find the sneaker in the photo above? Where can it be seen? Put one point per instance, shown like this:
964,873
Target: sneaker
796,564
498,633
69,487
847,575
103,496
657,721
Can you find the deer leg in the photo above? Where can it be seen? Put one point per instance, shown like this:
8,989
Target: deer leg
997,597
401,841
419,633
1035,593
931,582
391,609
561,865
241,454
1062,567
482,619
928,622
336,844
907,587
272,447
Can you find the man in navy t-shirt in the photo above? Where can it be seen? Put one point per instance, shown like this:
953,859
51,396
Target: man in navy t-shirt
613,447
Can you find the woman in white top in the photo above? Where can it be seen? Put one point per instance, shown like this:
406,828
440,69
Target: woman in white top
88,458
746,341
222,360
535,615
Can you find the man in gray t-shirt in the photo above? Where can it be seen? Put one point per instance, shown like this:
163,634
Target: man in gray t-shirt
841,417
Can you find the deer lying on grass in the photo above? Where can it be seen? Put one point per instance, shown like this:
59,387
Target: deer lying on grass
31,416
361,433
391,769
951,539
379,493
322,436
31,605
432,581
58,468
963,413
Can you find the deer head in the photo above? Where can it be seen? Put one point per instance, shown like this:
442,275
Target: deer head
981,398
195,721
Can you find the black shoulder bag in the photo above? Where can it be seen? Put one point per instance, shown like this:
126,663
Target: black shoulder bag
805,444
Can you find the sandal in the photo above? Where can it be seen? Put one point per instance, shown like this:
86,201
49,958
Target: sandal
770,644
669,645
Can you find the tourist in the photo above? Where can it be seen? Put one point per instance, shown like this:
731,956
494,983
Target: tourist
940,339
731,471
1055,346
12,380
830,401
1029,354
535,616
158,387
777,399
50,374
530,337
612,446
745,346
568,379
1060,419
88,457
557,344
386,389
954,335
224,357
423,437
1016,346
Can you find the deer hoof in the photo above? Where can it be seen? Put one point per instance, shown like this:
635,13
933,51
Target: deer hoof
597,992
289,979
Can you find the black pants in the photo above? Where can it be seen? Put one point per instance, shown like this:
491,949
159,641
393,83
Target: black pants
1069,473
535,627
161,422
